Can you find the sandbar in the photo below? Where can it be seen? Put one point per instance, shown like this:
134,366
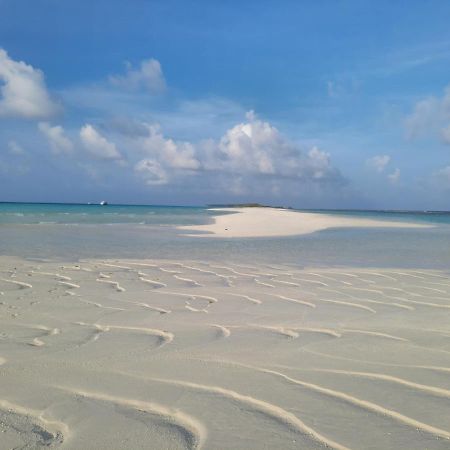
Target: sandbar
271,222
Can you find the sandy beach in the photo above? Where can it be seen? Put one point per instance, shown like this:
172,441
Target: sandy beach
224,225
267,222
120,353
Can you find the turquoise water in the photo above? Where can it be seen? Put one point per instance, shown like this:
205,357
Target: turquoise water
46,213
434,217
61,213
61,231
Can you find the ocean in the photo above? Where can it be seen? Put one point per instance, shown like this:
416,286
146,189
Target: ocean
75,231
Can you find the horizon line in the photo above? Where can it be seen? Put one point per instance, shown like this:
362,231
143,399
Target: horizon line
231,205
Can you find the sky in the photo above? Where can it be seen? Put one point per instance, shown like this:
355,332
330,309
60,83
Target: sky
305,103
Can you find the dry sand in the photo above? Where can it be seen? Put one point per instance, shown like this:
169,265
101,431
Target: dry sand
187,355
266,222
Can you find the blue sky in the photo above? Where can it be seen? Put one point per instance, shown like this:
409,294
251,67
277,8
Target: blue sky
338,104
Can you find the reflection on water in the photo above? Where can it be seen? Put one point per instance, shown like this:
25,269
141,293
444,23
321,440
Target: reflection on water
427,248
82,231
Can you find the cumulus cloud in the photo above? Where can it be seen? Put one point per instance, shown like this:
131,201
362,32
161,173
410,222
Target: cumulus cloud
97,145
23,92
164,158
59,142
431,116
423,117
252,153
252,157
378,162
147,76
257,147
151,171
176,155
394,176
248,146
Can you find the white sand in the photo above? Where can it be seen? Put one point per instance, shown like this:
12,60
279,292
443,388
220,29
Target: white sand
186,355
266,222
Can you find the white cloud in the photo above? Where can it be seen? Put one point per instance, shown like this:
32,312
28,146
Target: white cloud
430,116
59,142
248,146
422,118
250,157
176,155
394,176
22,90
97,145
257,147
152,172
164,158
15,148
148,76
378,162
320,164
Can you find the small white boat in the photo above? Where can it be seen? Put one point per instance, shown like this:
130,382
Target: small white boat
103,203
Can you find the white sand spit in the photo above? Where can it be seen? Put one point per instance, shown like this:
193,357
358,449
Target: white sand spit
266,222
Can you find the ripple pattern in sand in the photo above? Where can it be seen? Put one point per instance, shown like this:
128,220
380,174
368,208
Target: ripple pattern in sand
220,355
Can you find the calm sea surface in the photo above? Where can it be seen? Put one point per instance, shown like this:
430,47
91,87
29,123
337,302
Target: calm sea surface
67,231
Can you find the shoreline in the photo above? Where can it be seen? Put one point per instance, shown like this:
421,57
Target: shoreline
250,222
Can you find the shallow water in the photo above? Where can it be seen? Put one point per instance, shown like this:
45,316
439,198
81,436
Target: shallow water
86,231
191,342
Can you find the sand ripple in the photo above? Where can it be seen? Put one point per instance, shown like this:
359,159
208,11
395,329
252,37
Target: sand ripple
223,355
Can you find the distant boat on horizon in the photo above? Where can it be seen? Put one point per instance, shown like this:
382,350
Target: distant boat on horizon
103,203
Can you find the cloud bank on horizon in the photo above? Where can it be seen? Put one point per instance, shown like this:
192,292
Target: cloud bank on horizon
147,134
